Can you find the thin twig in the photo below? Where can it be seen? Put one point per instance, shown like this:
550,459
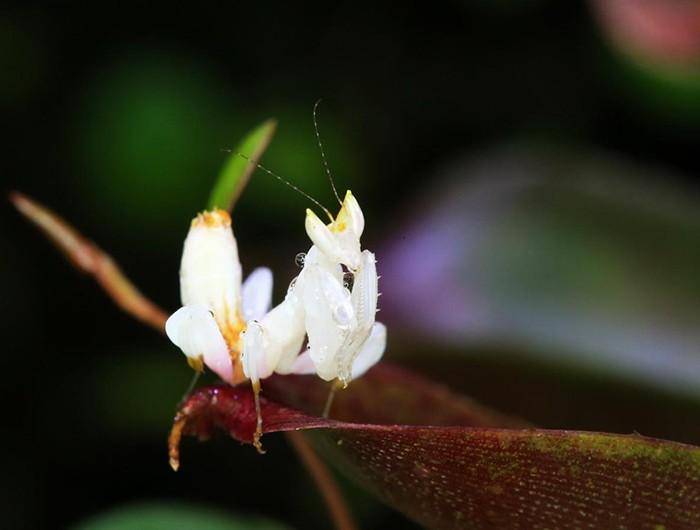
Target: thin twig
89,258
325,482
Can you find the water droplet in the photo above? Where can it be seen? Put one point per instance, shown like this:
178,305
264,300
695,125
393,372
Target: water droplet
299,259
342,315
348,280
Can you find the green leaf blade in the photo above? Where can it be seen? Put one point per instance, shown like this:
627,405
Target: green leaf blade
236,172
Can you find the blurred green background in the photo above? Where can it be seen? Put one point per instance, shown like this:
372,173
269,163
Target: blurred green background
528,171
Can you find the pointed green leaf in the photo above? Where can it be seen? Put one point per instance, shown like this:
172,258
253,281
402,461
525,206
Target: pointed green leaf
237,170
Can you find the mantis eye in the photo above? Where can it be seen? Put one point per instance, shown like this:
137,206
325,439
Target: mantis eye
299,259
348,280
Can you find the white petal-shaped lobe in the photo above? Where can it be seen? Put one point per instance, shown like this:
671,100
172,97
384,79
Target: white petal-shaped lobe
371,351
284,332
193,329
256,294
303,365
253,353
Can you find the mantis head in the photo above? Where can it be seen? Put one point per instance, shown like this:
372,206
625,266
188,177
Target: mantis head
339,240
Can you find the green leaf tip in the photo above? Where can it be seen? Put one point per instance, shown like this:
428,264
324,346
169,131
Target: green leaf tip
236,172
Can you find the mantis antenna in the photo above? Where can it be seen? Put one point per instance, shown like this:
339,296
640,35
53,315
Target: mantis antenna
323,154
285,181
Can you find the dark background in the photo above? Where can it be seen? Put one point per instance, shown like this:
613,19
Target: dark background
117,118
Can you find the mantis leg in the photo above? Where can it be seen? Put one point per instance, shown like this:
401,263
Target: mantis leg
252,358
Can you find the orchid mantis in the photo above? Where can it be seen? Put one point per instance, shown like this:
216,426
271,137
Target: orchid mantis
229,326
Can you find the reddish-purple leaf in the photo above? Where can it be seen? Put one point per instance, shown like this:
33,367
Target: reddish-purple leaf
387,394
470,476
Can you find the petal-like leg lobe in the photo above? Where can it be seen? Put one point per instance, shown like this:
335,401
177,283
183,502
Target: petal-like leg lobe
256,294
194,330
371,351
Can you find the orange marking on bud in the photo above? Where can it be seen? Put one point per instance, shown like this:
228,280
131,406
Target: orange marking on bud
212,219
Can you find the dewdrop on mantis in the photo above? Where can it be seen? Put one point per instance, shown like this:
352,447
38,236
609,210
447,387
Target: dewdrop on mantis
228,325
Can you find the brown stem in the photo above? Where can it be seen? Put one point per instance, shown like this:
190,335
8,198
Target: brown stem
325,482
89,258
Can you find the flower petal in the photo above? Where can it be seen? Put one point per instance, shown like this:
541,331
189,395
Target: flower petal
193,329
256,294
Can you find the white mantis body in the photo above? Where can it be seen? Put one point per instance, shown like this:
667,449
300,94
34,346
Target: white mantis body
229,327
